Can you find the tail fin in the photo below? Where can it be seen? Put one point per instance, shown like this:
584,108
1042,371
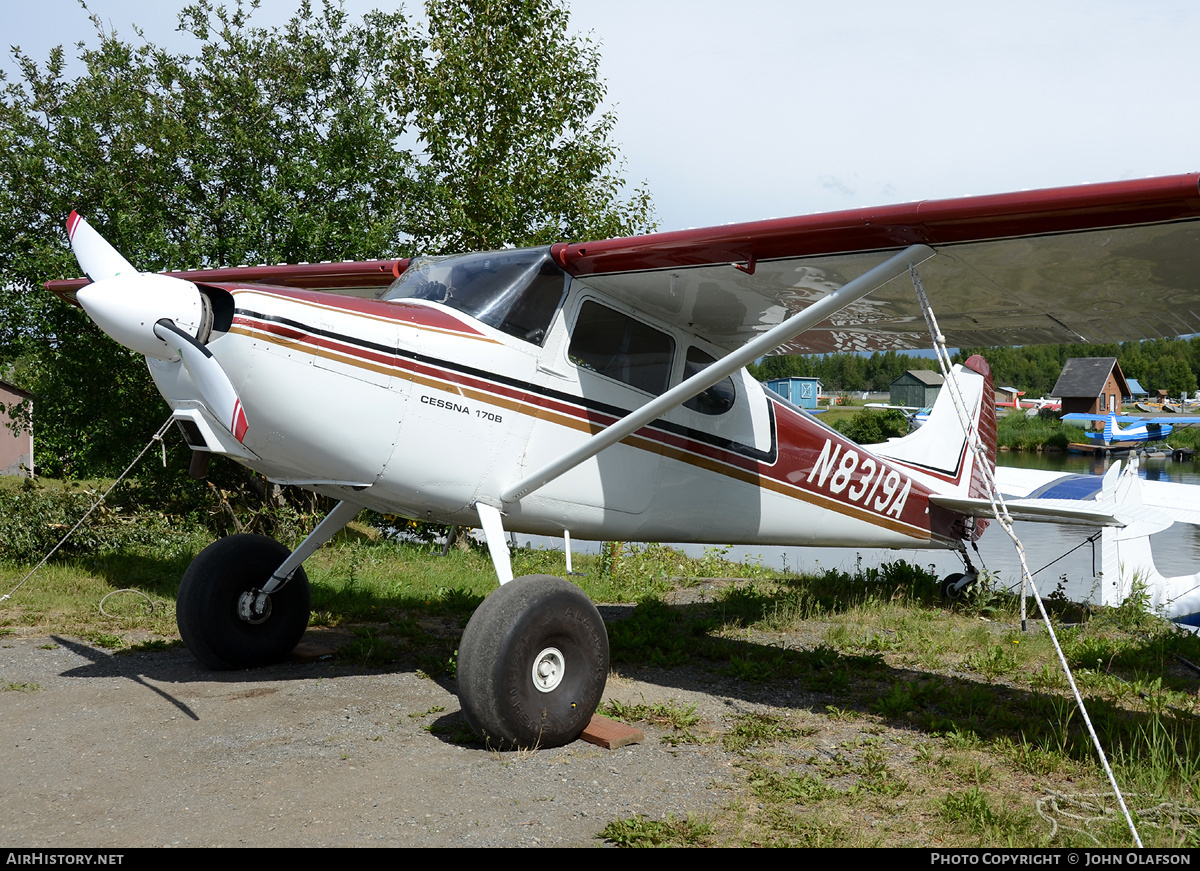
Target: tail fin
1110,428
1128,562
938,452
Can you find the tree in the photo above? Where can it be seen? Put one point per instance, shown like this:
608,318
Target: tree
516,149
283,144
1172,373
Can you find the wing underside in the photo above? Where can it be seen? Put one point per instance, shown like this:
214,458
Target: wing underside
1095,263
1114,285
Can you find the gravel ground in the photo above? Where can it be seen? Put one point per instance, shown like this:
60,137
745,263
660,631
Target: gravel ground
149,750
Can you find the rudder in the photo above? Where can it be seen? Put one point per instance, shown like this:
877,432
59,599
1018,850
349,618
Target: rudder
939,450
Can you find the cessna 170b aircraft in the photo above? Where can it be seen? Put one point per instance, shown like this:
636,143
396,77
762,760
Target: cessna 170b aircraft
598,388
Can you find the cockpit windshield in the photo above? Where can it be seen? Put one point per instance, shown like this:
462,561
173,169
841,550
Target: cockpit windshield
516,291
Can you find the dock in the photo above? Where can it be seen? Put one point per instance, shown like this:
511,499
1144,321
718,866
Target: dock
1162,451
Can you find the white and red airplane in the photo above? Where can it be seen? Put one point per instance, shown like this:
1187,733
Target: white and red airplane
599,388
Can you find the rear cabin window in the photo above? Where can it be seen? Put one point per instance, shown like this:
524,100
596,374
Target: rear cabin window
717,399
615,345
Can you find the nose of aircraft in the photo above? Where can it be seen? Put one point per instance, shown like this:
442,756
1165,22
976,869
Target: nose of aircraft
125,303
127,306
155,315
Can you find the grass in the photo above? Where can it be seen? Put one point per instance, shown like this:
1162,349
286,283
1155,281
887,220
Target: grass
906,722
1020,433
641,832
961,732
14,687
679,722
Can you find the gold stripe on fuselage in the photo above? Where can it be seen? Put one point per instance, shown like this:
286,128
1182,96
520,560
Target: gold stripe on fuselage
754,479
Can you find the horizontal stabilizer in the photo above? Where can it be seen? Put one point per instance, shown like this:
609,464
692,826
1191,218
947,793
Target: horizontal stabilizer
1145,521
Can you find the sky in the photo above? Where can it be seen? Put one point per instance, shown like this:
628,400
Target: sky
737,111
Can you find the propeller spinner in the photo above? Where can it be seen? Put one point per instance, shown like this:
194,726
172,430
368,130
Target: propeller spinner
157,315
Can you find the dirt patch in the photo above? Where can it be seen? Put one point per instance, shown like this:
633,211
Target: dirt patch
147,749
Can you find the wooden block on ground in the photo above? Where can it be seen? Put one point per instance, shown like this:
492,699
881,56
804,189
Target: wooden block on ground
610,734
313,649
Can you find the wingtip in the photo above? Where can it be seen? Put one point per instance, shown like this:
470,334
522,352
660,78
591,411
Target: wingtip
72,222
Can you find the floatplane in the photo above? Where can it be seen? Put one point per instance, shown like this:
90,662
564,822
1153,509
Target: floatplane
1127,561
1123,431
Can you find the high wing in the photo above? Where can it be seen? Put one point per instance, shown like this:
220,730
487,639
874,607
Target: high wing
1094,263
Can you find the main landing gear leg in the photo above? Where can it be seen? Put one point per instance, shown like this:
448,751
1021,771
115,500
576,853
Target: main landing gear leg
955,586
244,600
533,660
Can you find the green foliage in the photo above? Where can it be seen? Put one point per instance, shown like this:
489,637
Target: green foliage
970,807
756,730
842,371
632,572
1167,364
641,832
790,788
323,139
516,149
34,519
259,146
681,722
870,426
1021,433
28,687
996,660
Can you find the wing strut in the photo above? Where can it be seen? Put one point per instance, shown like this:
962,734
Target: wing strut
848,293
493,531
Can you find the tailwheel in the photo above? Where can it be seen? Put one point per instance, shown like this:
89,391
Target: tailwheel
224,618
955,586
532,664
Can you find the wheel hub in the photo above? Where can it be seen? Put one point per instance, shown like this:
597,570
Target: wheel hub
254,606
548,669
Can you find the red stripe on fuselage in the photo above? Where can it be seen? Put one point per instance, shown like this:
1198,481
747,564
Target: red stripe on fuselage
402,310
800,442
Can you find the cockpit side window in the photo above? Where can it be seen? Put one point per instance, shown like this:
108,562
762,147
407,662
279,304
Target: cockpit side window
530,314
717,399
620,347
517,292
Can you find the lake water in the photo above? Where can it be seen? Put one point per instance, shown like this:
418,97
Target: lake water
1054,553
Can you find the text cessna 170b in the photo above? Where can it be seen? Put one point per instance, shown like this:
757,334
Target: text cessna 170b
599,388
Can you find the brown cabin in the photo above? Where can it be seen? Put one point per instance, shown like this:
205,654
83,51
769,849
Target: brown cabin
1091,385
16,448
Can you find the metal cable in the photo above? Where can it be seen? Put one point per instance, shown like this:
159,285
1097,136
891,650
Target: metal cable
157,437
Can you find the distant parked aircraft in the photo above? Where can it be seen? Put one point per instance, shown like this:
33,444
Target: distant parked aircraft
1137,430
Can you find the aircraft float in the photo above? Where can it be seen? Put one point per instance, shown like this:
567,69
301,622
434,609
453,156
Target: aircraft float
598,389
1127,561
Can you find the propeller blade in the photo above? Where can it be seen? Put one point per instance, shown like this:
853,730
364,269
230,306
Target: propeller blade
216,390
97,258
126,303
